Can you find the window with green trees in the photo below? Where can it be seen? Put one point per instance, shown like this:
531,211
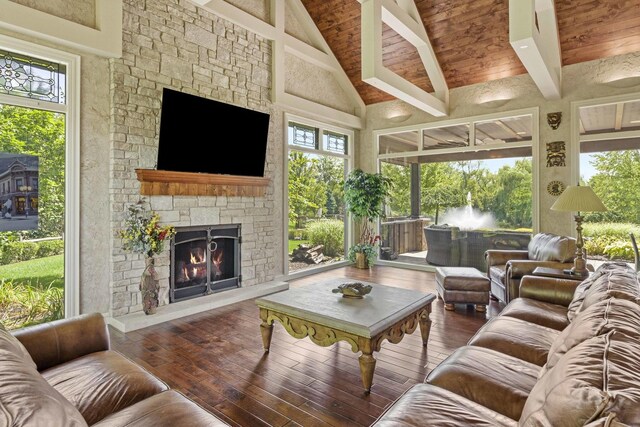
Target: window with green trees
610,165
33,107
471,174
318,160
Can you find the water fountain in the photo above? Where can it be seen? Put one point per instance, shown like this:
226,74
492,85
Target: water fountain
468,218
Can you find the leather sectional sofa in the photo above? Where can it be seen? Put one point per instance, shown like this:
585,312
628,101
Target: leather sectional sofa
64,374
564,353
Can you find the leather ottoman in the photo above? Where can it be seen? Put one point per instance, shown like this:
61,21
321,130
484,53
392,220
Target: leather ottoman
462,285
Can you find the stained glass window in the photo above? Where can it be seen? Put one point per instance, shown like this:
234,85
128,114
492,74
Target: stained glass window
335,142
30,77
303,136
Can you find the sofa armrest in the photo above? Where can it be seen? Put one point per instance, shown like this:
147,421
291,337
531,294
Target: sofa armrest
501,256
60,341
515,269
548,289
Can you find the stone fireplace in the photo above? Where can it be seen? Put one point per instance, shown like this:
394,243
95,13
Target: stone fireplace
204,260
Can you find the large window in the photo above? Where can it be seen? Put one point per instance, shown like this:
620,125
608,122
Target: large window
37,139
610,164
318,160
467,175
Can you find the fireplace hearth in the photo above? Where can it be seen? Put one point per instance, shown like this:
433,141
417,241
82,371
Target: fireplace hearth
204,260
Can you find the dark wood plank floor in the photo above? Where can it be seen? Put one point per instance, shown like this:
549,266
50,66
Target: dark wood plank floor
216,358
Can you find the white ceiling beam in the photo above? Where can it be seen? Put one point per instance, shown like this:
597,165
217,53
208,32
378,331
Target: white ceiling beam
404,18
312,31
284,43
537,46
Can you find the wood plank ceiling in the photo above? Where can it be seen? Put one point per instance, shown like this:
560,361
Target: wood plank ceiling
471,38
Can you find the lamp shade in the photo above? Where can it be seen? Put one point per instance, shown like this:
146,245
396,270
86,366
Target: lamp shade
578,198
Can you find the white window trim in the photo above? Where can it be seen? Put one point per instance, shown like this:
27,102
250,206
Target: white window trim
574,147
72,156
348,233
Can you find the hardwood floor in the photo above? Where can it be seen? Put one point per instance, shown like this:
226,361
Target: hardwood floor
216,358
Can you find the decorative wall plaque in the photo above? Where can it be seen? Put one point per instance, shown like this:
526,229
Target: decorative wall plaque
555,154
555,188
554,119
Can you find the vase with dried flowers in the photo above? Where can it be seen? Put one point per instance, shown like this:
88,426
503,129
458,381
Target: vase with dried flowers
144,235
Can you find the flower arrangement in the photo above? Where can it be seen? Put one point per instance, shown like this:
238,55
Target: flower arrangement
143,233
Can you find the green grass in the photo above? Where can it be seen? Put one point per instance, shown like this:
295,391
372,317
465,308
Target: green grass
293,244
32,292
37,273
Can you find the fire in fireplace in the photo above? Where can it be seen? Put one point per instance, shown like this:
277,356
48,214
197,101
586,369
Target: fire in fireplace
204,260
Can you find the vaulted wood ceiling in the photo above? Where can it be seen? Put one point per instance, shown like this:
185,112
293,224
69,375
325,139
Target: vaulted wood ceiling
471,38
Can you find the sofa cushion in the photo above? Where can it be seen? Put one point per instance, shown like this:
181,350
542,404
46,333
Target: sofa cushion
26,399
621,284
168,408
425,404
493,379
102,383
518,338
12,345
600,318
593,379
600,276
542,313
551,247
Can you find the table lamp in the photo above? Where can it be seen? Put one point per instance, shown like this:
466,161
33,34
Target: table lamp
578,199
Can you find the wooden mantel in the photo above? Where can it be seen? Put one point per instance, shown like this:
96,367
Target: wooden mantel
155,182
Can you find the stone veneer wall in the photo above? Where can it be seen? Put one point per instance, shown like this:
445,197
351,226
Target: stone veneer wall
171,43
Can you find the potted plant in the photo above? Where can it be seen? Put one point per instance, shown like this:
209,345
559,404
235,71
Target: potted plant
364,194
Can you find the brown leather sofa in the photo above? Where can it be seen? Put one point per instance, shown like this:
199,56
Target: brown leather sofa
63,374
565,353
505,268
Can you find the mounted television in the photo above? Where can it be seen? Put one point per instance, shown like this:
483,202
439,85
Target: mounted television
206,136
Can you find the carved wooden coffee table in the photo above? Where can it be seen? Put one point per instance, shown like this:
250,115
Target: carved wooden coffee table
326,318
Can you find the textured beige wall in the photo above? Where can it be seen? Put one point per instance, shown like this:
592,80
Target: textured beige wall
580,82
95,233
81,12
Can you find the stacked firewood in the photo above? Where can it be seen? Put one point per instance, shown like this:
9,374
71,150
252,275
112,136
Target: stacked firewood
308,253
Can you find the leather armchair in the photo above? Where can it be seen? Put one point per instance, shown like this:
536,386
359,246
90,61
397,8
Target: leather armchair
505,268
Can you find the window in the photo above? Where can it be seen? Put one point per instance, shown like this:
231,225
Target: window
472,174
38,119
610,159
317,164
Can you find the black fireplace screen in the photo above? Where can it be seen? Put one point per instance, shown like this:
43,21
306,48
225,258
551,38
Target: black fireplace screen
204,260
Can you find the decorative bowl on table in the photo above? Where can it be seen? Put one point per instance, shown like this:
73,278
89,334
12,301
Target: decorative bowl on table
352,290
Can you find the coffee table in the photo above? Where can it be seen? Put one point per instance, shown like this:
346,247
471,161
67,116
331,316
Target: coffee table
326,318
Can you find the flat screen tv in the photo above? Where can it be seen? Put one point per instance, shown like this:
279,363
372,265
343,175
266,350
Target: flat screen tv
206,136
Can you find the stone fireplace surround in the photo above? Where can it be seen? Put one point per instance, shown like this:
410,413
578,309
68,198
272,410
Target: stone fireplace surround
180,46
256,263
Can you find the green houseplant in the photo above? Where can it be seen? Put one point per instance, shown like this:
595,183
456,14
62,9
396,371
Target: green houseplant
364,194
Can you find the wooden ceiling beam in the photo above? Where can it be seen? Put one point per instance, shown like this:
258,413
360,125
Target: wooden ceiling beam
404,18
533,34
